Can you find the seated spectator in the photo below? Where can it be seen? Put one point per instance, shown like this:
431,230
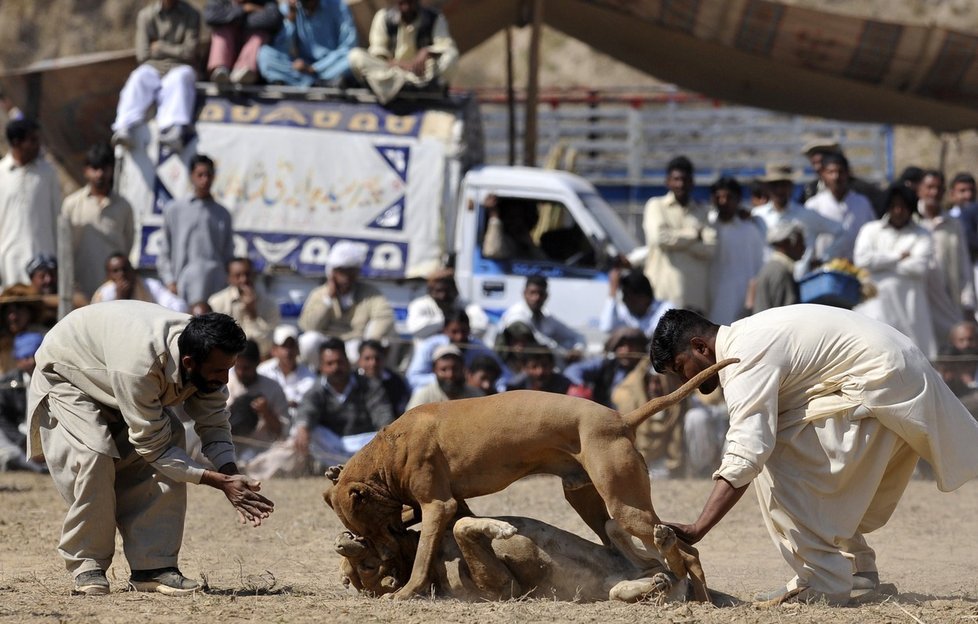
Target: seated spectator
508,227
312,47
256,312
511,343
775,284
20,312
284,367
660,438
373,354
124,283
167,34
449,384
239,28
344,307
342,412
598,377
30,202
548,331
101,220
426,314
705,426
409,46
539,374
13,405
638,307
43,273
483,373
957,368
257,404
456,331
200,308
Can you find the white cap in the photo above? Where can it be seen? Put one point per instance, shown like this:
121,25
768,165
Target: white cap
783,230
346,254
446,351
283,333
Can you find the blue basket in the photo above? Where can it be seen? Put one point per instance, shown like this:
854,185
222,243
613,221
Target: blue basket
830,288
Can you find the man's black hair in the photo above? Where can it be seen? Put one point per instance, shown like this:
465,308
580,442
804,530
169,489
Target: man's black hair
911,174
835,158
456,316
636,283
211,331
727,183
372,343
539,353
486,364
251,352
536,280
333,344
902,191
933,173
680,163
100,156
963,178
673,333
18,129
227,266
200,159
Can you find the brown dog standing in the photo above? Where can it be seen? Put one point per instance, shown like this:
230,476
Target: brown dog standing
436,455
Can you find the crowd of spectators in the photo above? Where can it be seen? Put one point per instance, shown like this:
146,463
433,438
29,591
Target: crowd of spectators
312,394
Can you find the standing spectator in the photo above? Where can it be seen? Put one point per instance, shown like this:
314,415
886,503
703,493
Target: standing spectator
312,47
410,46
775,285
13,405
371,364
547,329
759,194
167,34
426,314
897,253
911,177
680,240
598,377
256,312
257,405
840,203
815,150
101,219
284,367
449,384
965,210
457,332
483,373
124,283
30,199
950,283
198,240
100,409
343,410
782,208
539,374
739,253
344,307
239,28
638,307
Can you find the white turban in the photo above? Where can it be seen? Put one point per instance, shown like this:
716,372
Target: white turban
783,230
346,254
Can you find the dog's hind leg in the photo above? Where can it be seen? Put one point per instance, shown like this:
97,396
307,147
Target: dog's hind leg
590,506
491,577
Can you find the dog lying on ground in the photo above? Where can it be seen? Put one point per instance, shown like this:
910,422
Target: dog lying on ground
435,456
515,557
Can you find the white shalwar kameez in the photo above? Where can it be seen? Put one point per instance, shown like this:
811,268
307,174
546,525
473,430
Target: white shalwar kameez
829,411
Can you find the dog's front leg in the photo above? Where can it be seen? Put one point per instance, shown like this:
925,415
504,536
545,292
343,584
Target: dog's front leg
435,516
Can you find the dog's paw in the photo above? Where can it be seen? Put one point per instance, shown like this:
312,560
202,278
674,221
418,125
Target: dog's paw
499,530
662,582
664,537
333,472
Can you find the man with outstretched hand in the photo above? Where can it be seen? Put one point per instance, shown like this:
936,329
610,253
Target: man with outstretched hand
99,413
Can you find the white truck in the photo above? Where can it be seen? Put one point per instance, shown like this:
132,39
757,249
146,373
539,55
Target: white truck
298,174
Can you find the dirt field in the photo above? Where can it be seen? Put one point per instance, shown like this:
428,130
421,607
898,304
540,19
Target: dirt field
929,550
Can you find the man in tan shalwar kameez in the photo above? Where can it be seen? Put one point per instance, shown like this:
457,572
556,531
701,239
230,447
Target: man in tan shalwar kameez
829,412
98,409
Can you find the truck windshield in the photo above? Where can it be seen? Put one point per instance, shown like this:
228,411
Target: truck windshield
618,234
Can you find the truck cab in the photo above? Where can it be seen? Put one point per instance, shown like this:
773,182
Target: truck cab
572,238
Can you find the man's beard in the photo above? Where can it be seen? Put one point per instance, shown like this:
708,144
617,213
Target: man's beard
202,384
451,387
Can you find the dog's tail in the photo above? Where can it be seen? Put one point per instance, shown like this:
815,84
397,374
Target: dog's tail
637,416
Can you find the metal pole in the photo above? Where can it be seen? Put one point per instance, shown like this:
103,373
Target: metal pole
510,97
533,87
66,268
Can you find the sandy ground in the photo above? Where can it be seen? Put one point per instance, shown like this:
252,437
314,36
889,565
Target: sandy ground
928,549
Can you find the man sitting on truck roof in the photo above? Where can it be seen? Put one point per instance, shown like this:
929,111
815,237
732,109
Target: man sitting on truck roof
312,47
409,47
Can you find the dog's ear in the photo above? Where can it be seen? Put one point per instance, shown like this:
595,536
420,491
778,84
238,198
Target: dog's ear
328,494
